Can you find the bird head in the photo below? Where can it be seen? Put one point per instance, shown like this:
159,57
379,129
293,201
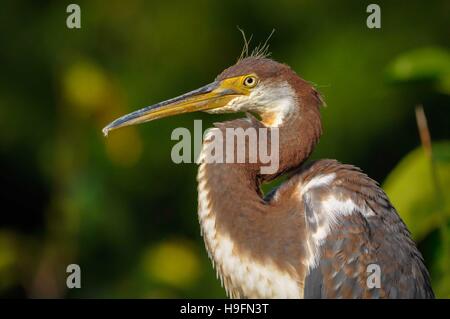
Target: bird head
254,84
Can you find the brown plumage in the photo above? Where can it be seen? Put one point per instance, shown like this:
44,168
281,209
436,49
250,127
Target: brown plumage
317,234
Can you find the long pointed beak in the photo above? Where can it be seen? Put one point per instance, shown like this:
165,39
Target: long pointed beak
213,95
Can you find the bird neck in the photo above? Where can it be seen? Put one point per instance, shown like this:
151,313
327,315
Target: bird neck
298,135
230,211
231,183
298,131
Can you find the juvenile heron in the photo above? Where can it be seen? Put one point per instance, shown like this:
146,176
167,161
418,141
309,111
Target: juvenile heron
324,233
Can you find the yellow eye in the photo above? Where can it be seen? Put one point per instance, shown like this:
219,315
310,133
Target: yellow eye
250,81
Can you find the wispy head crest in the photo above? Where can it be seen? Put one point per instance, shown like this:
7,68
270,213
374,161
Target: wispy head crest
260,51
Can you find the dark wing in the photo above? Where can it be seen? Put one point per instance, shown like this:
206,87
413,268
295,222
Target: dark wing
361,248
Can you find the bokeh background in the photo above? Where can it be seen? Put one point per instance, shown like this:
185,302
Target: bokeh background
119,207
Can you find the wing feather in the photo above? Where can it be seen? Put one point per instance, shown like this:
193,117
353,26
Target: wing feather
351,226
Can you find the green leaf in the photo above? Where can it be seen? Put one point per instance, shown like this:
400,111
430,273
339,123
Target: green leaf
444,84
421,64
418,188
419,195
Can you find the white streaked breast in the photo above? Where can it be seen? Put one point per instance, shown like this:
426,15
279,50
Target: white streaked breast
254,279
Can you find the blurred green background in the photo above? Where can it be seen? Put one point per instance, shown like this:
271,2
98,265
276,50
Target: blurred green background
119,207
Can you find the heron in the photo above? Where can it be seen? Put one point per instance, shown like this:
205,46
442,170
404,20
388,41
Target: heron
328,231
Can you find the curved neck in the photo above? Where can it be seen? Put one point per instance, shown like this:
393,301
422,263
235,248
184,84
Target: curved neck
238,225
234,188
298,135
299,129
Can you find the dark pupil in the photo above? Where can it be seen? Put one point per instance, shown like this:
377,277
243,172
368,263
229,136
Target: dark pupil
249,81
